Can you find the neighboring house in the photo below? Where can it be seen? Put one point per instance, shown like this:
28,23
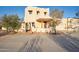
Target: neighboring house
68,24
36,20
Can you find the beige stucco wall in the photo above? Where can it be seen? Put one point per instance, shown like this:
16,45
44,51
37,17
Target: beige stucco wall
3,28
33,17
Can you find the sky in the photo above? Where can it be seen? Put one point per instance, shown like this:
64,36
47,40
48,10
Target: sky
69,11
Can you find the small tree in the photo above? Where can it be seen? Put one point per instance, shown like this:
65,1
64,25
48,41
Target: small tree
0,26
15,24
6,22
11,22
56,14
77,16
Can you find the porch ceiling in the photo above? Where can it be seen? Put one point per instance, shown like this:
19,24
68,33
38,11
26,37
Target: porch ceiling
44,19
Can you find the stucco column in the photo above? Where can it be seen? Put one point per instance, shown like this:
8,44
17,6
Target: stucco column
41,24
46,25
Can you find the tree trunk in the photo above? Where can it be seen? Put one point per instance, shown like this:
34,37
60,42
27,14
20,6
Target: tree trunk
7,29
54,30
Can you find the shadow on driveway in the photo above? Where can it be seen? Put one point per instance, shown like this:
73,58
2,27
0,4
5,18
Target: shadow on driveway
67,42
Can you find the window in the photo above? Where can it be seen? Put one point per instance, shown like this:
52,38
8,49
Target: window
33,24
38,12
45,13
30,11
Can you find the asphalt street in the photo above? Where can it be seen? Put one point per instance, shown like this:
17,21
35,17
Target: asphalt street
39,43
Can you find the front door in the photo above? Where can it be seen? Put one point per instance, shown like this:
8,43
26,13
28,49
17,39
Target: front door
45,24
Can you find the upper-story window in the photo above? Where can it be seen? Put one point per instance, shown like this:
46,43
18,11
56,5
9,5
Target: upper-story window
30,11
45,13
38,12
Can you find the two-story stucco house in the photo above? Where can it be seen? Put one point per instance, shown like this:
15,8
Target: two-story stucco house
36,20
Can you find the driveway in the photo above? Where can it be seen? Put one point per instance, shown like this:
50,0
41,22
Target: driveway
67,42
38,43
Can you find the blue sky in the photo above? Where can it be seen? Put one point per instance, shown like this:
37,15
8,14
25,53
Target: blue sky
69,11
